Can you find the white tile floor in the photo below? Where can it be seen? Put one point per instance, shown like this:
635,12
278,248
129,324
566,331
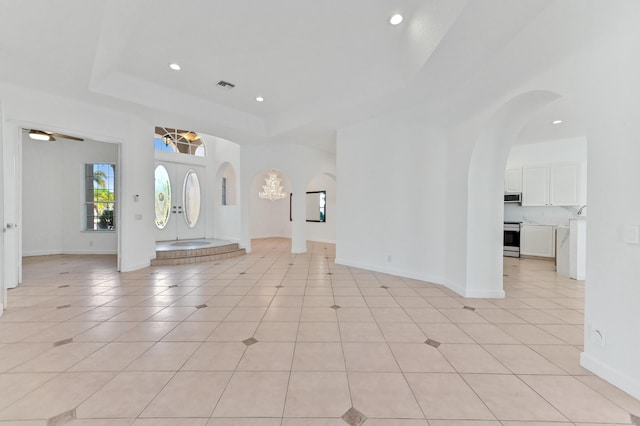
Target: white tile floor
293,340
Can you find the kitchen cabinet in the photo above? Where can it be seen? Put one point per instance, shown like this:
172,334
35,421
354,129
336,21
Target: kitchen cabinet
513,180
535,186
537,240
551,185
564,184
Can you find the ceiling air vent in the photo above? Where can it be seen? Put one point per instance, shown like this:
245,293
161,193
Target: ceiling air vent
225,85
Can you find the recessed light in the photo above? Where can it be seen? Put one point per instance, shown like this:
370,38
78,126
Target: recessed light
556,122
175,66
259,99
396,19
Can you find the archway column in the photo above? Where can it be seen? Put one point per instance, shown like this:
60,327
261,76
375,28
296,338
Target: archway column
485,208
298,225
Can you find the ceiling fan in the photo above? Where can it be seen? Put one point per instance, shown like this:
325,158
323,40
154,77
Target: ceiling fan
41,135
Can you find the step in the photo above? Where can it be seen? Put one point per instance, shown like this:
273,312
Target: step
193,258
195,251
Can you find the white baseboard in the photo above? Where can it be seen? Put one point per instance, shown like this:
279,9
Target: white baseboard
489,294
134,267
231,239
612,375
54,252
322,241
90,252
41,253
484,294
455,287
392,271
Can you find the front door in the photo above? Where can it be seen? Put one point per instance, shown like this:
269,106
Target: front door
178,202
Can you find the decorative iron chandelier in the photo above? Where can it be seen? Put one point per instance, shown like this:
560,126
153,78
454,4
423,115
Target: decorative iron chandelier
272,190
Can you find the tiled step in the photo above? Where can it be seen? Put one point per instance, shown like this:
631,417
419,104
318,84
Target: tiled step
196,255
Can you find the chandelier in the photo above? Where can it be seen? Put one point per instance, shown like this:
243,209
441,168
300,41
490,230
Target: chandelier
272,190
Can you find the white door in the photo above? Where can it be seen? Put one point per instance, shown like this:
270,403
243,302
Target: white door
178,201
11,261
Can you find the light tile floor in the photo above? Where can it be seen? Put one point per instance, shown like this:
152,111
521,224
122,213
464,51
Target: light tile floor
275,339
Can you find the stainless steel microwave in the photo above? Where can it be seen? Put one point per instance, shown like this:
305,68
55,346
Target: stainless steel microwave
513,197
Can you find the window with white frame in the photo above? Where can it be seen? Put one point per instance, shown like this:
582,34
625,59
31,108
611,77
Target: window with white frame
100,196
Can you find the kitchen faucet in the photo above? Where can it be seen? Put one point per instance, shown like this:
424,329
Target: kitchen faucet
580,210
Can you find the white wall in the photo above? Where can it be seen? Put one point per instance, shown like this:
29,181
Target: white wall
227,217
391,196
53,209
324,232
573,150
3,287
223,157
25,108
611,98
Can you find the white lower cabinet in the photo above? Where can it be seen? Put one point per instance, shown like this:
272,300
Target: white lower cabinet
537,240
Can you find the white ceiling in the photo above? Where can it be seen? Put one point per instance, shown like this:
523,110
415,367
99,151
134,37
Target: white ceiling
319,64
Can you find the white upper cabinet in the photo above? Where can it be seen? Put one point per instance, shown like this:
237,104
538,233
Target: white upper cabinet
564,189
513,180
535,186
551,185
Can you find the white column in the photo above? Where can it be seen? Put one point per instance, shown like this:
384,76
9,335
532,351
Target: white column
298,227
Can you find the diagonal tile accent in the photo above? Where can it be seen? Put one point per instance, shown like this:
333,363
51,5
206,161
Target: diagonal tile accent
250,341
384,286
204,305
62,418
354,417
63,286
468,308
173,286
62,342
433,343
279,286
63,306
336,307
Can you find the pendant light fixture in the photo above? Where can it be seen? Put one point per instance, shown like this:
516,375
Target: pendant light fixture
272,190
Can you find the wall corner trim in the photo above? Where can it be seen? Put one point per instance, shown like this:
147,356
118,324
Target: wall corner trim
485,294
431,279
612,375
134,267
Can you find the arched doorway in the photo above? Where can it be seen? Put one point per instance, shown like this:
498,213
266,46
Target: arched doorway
321,208
485,210
270,216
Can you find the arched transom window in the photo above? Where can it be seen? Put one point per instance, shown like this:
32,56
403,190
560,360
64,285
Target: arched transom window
181,141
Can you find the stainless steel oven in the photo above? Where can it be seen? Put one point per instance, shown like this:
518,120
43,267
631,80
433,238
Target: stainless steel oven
511,246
